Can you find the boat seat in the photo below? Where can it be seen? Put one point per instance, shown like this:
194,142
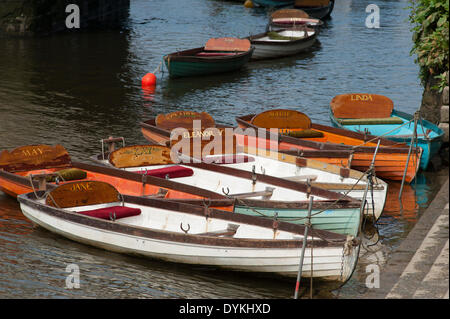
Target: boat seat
114,212
266,194
168,172
371,121
229,159
209,54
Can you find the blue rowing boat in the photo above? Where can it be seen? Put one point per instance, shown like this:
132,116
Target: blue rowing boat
374,114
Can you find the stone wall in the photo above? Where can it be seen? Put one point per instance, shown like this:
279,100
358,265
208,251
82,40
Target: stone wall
434,108
444,124
41,17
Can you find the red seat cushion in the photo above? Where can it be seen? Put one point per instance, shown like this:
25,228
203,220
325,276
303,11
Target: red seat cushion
105,213
171,171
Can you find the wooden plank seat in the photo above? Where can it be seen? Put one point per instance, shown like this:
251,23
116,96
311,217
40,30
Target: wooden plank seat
229,232
168,172
371,121
113,212
266,194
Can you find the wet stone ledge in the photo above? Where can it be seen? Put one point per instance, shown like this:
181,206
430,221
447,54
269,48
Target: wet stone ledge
43,17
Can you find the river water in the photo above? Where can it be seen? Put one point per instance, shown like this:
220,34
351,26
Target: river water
77,88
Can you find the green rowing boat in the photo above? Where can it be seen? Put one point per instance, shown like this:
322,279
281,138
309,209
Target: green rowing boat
217,56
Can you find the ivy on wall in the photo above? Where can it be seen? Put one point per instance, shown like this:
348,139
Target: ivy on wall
431,36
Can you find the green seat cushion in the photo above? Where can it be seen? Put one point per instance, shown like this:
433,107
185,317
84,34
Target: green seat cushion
371,121
304,133
69,174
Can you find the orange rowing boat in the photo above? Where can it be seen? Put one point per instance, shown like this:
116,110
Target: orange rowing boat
29,168
296,131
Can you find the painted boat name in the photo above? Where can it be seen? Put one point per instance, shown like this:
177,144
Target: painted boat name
361,97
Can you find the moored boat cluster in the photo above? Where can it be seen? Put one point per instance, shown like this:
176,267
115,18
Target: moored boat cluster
289,32
255,197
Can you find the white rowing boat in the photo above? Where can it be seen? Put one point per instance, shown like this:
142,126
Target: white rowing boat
254,193
95,213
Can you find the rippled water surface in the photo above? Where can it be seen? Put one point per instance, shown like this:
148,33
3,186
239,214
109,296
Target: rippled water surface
77,88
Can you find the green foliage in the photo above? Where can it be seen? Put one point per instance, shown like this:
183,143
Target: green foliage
431,35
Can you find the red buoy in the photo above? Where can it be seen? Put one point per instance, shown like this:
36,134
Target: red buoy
149,80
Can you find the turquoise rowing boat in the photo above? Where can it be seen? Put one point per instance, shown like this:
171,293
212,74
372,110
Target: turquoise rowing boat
380,119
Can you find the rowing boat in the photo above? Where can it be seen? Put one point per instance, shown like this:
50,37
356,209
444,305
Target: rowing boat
217,56
280,43
374,114
253,193
320,9
95,213
158,130
33,167
294,130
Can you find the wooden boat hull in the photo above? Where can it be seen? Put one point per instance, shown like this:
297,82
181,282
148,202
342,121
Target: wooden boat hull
390,161
256,249
266,48
430,145
186,63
